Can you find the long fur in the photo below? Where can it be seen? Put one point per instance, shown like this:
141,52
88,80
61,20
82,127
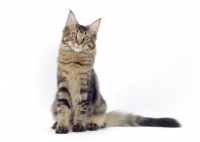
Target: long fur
78,104
117,118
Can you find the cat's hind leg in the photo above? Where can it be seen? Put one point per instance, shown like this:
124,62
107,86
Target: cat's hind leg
54,125
96,115
95,122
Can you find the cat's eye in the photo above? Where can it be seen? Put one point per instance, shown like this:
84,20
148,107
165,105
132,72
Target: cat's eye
74,35
85,38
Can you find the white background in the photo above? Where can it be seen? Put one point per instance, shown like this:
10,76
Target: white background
147,62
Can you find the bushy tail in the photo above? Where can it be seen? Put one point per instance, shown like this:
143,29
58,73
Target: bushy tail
116,118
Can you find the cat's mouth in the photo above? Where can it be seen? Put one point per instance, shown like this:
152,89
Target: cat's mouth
76,49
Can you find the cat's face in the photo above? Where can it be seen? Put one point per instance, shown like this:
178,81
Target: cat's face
79,38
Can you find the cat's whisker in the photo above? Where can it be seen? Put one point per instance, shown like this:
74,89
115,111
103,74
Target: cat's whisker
66,48
64,51
91,53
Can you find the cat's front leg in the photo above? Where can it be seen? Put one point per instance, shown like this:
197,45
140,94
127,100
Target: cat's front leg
63,111
81,113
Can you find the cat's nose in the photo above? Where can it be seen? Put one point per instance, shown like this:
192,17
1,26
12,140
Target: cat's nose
78,42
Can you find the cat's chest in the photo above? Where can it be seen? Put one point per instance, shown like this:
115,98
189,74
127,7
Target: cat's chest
73,81
74,87
74,78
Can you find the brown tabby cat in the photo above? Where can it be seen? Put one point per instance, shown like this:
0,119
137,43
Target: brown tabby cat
78,104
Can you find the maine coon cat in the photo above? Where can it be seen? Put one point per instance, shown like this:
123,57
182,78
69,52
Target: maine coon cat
79,105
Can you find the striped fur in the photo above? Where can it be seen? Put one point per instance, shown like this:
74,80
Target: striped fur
78,104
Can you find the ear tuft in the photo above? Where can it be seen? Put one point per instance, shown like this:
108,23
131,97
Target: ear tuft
71,20
95,26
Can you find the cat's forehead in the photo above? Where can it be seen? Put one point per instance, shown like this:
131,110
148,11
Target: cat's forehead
82,29
79,29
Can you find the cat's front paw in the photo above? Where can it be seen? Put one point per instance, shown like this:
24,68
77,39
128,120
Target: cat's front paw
62,130
79,128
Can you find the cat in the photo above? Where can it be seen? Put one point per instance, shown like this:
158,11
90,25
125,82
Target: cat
78,105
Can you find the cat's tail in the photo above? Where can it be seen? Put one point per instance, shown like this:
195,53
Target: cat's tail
117,118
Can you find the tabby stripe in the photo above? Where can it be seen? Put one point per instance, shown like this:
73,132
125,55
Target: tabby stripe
86,65
83,90
85,108
67,34
63,89
64,102
83,112
91,47
86,104
83,101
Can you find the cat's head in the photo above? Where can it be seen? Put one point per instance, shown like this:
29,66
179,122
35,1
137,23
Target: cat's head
78,37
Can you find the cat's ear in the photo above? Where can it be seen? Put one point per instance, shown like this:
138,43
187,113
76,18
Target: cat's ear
71,20
93,28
